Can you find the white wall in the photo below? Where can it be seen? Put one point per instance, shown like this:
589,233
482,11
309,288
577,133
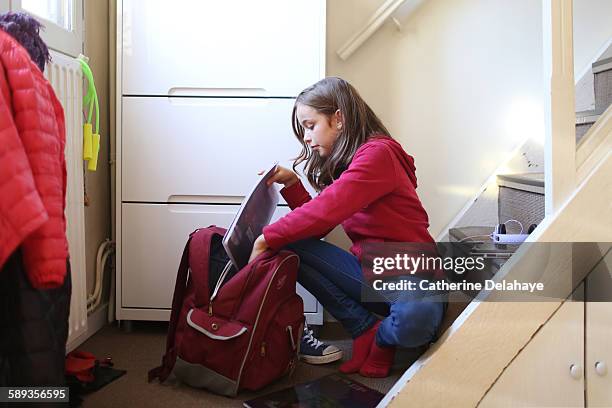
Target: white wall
592,33
98,213
592,30
459,87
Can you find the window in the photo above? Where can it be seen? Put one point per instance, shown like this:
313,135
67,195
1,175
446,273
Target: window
63,21
57,11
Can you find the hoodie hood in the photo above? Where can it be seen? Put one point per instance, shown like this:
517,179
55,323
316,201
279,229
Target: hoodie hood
403,158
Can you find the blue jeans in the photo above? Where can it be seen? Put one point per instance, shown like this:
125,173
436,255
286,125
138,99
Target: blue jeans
334,277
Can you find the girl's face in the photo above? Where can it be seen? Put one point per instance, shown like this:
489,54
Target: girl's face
320,131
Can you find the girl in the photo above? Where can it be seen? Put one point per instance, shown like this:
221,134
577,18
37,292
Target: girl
367,183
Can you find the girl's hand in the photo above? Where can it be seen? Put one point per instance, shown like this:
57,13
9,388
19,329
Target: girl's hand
282,176
259,246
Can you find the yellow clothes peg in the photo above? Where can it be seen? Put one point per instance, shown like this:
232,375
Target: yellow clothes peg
87,142
92,164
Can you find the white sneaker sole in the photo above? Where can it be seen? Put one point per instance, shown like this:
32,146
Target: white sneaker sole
324,359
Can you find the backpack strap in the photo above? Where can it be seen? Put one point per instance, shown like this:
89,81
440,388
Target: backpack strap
162,372
199,240
199,261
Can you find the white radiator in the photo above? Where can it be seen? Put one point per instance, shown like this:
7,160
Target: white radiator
65,75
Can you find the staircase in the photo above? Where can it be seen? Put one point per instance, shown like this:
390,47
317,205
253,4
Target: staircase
520,198
501,353
495,352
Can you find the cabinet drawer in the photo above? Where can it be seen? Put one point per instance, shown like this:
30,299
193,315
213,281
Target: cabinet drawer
201,147
153,237
222,48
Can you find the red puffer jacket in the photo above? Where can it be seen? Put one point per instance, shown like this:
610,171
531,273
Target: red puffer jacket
32,168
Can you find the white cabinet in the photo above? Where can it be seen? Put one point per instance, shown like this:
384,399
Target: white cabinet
272,48
153,238
598,369
201,147
549,371
568,361
145,254
204,100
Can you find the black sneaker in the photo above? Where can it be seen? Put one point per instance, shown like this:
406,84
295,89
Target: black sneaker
314,351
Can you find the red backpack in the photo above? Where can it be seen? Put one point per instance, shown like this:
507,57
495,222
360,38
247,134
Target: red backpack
241,334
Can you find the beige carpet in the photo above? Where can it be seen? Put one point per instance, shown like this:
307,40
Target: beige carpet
142,348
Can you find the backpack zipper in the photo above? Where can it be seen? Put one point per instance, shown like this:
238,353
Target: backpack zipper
222,277
257,318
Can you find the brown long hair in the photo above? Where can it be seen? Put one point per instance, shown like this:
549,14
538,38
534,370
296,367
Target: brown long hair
360,123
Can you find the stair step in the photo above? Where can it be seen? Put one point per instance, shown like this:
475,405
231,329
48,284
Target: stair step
480,234
584,121
587,117
602,65
532,182
521,198
582,130
603,84
475,241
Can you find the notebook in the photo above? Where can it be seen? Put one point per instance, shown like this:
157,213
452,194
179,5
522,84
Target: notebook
254,213
332,391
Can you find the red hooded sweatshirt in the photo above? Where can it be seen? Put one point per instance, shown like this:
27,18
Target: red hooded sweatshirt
375,200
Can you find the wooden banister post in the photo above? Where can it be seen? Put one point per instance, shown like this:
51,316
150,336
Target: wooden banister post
560,122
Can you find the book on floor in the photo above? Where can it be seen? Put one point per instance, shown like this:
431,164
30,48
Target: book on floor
331,391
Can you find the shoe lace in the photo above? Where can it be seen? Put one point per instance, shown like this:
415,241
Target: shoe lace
310,339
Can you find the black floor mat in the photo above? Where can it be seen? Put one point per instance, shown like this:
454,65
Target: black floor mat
102,376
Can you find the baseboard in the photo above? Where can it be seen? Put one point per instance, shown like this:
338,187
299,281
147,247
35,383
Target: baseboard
95,321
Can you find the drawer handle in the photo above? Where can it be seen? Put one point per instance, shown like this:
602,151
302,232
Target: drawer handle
222,92
208,199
